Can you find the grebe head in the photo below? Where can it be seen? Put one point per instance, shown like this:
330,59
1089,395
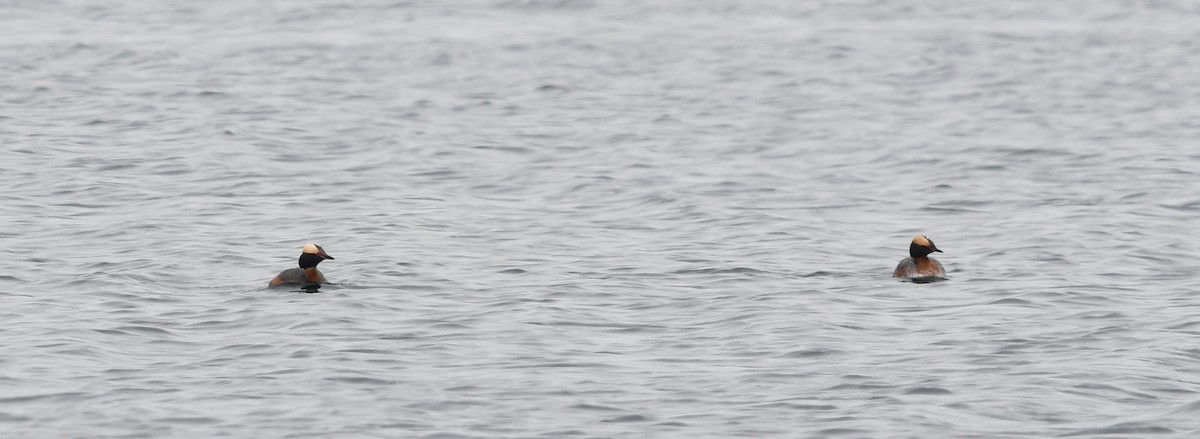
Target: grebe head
312,255
921,247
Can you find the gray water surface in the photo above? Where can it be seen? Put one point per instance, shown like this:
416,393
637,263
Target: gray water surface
599,219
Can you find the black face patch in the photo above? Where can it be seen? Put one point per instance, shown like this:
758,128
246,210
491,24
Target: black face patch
308,260
919,251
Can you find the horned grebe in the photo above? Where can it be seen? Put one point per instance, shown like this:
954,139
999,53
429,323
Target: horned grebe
307,273
920,265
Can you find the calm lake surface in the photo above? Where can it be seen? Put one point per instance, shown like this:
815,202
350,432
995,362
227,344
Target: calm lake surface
585,219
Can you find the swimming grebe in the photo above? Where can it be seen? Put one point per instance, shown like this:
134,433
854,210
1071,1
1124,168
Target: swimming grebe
920,265
307,273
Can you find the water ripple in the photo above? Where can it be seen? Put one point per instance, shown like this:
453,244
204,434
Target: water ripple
568,218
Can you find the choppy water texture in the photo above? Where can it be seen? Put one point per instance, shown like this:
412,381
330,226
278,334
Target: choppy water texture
567,218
